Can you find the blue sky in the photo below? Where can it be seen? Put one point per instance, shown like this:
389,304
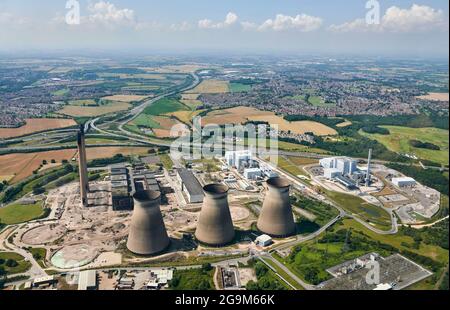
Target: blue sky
407,27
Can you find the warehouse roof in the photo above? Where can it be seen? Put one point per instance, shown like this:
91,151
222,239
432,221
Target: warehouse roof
191,183
87,280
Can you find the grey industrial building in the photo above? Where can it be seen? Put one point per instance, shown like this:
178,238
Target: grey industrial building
190,185
120,189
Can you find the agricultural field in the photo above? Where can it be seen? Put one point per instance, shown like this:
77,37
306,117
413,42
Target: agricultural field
143,76
125,98
239,115
187,68
160,117
83,102
211,87
110,151
34,125
239,87
435,97
16,167
61,92
344,124
88,111
165,106
399,141
18,213
191,101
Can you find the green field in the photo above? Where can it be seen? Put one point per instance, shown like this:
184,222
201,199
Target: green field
146,120
22,264
239,87
372,214
60,92
164,106
39,255
17,213
399,141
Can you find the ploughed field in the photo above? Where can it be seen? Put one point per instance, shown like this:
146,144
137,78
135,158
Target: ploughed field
36,125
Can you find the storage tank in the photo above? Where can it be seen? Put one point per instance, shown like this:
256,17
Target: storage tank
276,218
148,234
215,226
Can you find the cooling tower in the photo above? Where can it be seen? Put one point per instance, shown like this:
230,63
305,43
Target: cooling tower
276,218
82,167
215,227
148,233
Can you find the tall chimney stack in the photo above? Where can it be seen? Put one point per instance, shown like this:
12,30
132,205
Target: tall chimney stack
215,226
148,234
369,159
276,218
82,166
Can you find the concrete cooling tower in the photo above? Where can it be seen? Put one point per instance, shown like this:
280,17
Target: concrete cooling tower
276,218
215,227
148,234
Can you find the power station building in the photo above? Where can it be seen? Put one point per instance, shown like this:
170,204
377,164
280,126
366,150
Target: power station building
82,167
344,165
190,185
148,234
276,218
238,159
215,226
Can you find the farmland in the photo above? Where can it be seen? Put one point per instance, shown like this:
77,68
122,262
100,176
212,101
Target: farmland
239,115
16,167
91,111
211,87
124,98
159,118
435,97
36,125
398,140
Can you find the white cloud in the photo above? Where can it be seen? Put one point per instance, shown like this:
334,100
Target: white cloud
184,26
230,20
417,18
104,12
11,19
303,23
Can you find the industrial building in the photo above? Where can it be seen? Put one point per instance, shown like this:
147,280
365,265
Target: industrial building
120,188
404,182
87,280
238,159
215,226
263,240
252,173
344,165
190,185
148,234
82,167
276,218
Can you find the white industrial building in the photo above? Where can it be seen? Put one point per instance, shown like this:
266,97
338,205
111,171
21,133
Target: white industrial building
345,165
331,173
252,173
263,240
87,280
404,182
238,158
267,171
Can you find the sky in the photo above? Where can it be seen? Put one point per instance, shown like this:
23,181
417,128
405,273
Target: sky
416,28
